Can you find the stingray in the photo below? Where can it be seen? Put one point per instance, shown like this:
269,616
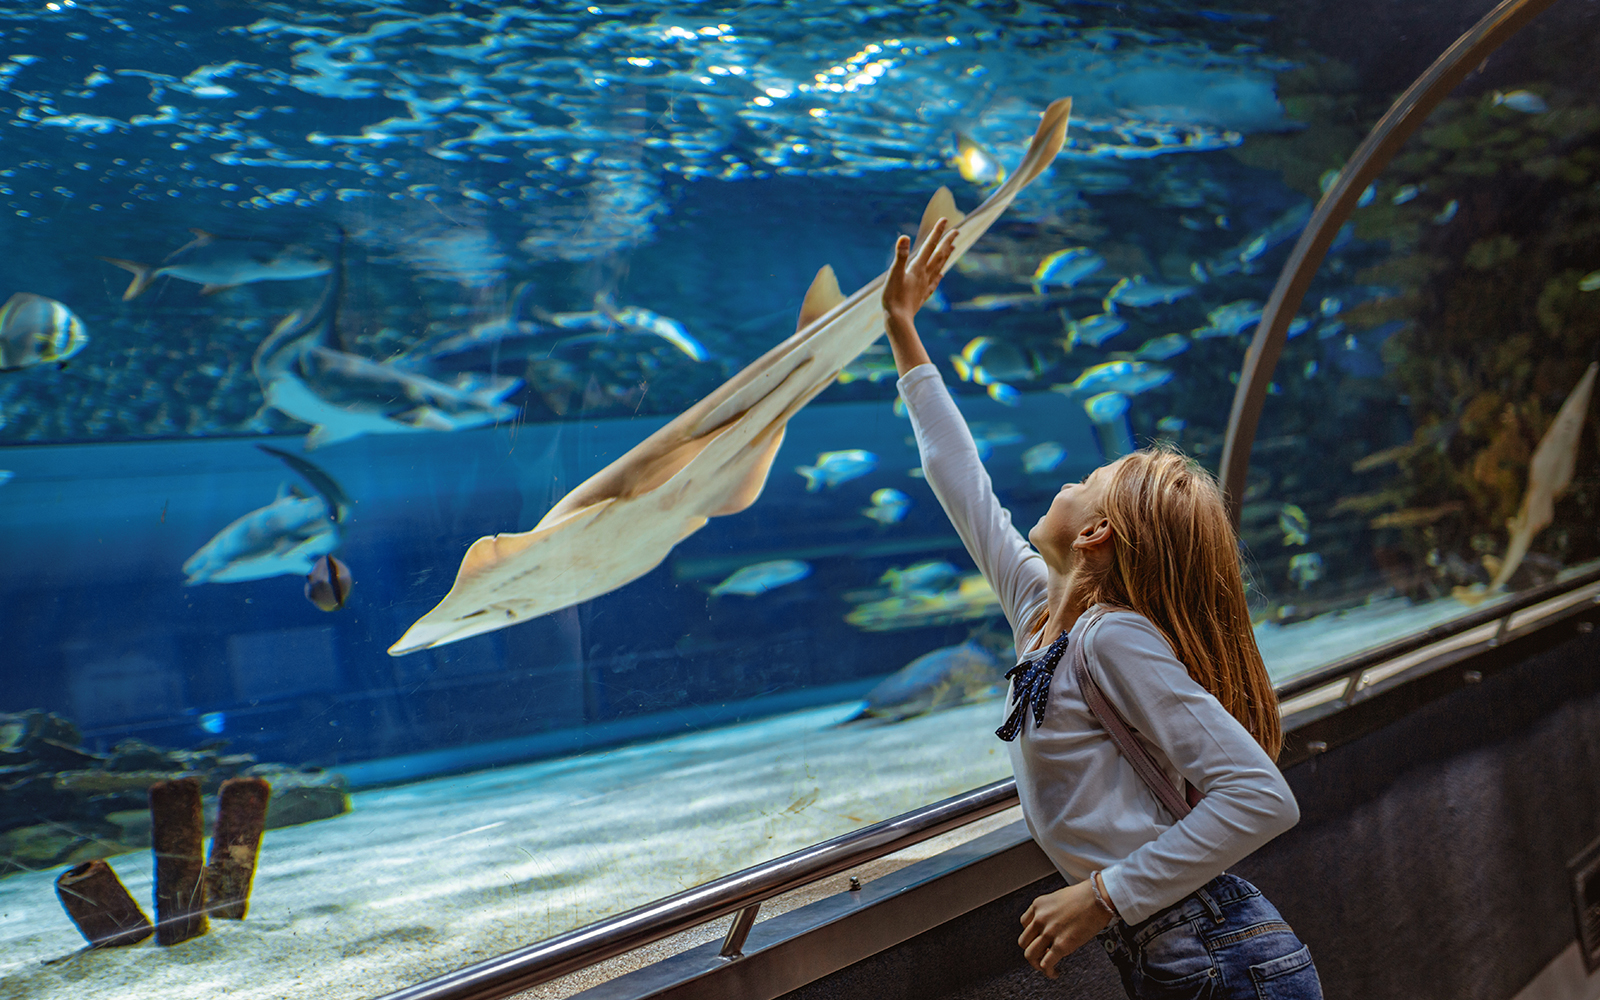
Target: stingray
710,461
1549,474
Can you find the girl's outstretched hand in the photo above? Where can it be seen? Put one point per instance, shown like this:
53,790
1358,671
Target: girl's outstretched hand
1060,923
912,279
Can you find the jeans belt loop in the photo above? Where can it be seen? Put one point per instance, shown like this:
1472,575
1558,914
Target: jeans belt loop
1210,904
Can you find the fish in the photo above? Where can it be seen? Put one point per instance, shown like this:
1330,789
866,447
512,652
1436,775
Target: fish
1305,569
1589,282
1137,293
929,576
606,320
1131,377
286,537
1525,101
1108,411
945,678
835,467
1094,330
1549,474
6,475
1404,193
1447,213
762,577
1161,348
1171,425
889,506
1004,394
328,584
213,722
345,395
1294,524
1043,457
220,262
710,461
35,330
1230,320
1106,407
976,164
985,360
970,598
1066,268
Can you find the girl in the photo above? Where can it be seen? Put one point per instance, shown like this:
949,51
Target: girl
1138,566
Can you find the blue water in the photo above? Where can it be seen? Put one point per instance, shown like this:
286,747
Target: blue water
490,163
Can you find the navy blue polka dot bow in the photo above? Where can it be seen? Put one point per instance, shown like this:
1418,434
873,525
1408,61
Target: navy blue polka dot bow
1032,687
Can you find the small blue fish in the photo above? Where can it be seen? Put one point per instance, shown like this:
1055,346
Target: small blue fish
762,577
6,475
1137,293
1095,330
835,467
1171,425
928,577
1106,407
1305,569
213,722
989,436
1525,101
1230,320
1405,193
1130,377
1447,213
1330,306
1043,457
985,360
1066,267
889,506
1162,348
1004,394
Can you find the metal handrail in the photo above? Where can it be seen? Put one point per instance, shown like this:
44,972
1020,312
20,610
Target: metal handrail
1370,158
578,949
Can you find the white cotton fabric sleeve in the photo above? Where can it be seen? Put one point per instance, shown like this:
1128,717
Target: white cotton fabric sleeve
951,466
1084,803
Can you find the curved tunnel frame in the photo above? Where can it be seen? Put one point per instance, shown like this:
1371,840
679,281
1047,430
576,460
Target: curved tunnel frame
743,892
1403,118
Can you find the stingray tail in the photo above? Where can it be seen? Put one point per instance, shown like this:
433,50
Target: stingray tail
143,274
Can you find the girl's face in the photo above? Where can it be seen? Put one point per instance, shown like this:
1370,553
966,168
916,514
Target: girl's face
1076,509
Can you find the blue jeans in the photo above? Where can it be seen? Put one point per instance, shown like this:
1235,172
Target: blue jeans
1223,941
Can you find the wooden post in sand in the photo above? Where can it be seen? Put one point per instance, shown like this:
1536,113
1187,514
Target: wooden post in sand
101,908
241,816
177,833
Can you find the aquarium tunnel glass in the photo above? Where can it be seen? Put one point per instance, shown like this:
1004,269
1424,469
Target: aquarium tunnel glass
303,299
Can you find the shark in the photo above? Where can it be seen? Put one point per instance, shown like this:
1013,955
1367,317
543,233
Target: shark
286,537
305,375
712,460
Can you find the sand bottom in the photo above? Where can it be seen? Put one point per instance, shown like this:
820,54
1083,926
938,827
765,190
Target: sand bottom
428,877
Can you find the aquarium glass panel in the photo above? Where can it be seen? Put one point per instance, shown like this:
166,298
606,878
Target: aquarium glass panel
305,303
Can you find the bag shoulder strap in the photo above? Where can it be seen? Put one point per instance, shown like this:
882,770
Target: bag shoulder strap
1121,735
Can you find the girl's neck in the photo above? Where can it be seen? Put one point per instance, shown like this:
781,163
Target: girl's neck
1066,599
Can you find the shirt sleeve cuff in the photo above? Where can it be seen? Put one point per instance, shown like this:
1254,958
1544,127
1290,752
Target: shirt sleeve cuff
1111,879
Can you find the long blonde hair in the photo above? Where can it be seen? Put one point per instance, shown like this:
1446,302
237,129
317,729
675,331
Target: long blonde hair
1175,560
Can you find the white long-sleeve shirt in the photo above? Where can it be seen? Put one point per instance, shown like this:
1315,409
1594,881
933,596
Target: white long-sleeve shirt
1083,802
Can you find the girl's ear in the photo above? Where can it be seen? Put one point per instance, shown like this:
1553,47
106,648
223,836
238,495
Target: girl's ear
1094,537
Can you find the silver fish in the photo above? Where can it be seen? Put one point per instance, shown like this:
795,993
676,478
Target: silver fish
1066,267
1043,457
1095,330
944,678
1162,348
219,262
1131,377
35,330
1525,101
344,395
286,537
1137,293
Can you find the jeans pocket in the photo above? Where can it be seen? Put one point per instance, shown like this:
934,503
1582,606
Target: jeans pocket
1176,965
1292,977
